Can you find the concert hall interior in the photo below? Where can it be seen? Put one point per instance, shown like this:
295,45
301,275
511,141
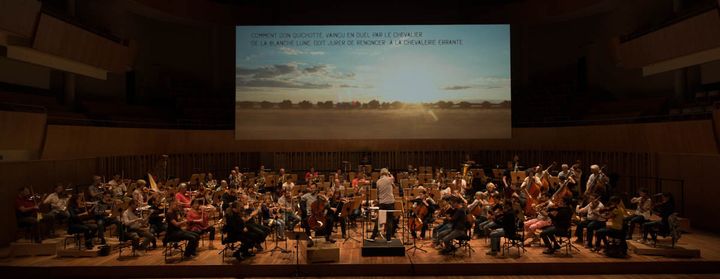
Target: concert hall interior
279,138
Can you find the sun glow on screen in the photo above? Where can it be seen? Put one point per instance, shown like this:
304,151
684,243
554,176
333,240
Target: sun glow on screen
383,74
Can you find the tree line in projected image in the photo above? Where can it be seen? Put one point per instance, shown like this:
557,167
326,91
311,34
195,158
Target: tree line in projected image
374,104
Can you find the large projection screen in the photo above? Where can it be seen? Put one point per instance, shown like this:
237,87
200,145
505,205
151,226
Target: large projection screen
372,82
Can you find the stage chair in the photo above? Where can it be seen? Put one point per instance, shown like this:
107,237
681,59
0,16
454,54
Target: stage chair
124,241
174,246
565,241
227,241
672,231
77,238
464,242
516,240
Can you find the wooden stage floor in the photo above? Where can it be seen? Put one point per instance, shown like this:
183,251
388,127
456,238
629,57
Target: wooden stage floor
209,263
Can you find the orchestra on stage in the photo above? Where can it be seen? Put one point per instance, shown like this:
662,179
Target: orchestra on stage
530,206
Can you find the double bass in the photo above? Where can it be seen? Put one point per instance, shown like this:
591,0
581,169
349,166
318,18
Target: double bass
532,191
545,178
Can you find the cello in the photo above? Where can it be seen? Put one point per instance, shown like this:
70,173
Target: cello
420,211
317,220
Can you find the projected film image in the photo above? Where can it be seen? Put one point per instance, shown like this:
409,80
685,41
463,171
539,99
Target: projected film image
372,82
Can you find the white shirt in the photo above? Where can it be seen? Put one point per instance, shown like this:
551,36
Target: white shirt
643,208
138,196
283,202
130,220
593,214
309,199
56,202
445,192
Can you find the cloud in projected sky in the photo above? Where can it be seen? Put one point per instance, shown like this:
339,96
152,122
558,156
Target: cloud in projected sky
475,71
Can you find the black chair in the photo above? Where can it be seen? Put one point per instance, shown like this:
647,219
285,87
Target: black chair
172,247
228,242
463,242
565,241
77,237
516,240
125,242
672,229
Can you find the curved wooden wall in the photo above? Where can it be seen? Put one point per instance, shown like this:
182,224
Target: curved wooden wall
67,142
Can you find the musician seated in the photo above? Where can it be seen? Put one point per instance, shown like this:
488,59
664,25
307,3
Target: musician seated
333,213
237,231
139,193
176,233
506,219
446,191
641,214
78,214
198,222
210,182
134,229
491,193
58,202
308,201
156,219
256,230
230,196
592,221
96,189
542,220
490,223
480,201
614,225
285,203
560,216
182,199
102,215
664,209
424,200
271,220
117,186
26,213
459,227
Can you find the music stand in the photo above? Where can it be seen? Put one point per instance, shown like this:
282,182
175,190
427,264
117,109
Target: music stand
518,176
277,247
348,208
297,236
498,173
414,247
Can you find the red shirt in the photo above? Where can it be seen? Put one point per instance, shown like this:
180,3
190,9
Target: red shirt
309,175
182,199
26,203
193,215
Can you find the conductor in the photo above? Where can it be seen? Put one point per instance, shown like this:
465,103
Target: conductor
387,202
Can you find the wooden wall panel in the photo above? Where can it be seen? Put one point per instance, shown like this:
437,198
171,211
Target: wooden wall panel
22,132
19,16
63,39
66,142
695,34
702,186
